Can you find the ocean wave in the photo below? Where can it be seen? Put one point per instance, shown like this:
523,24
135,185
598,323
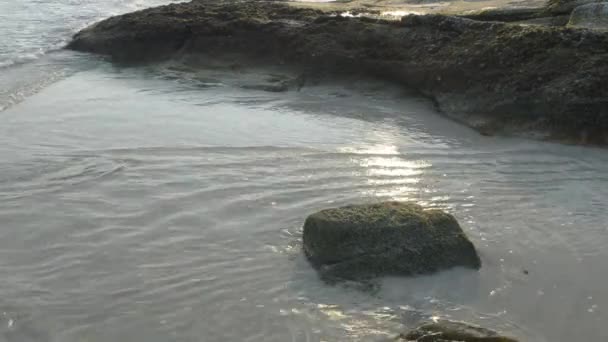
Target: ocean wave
23,45
26,77
22,59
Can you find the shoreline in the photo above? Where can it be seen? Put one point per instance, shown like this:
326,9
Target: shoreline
500,78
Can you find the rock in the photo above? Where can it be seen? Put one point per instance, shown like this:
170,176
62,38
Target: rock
506,14
536,81
557,7
452,331
554,20
360,242
591,16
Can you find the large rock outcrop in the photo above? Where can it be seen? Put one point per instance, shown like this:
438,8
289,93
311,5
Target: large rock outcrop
500,78
360,242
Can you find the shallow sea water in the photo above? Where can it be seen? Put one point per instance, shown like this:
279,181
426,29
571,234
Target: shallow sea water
152,204
165,203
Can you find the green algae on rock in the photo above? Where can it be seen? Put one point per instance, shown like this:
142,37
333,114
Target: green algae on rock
452,331
360,242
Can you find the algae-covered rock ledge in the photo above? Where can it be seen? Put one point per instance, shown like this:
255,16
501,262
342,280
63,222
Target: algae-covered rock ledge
497,77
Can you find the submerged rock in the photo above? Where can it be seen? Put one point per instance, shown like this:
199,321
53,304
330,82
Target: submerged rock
501,78
272,87
278,84
592,16
452,331
360,242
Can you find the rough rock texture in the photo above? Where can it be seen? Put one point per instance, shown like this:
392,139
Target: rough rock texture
566,6
507,14
499,78
523,15
592,16
392,238
451,331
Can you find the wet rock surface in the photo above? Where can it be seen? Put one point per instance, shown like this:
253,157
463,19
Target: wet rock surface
497,77
452,331
566,6
591,16
361,242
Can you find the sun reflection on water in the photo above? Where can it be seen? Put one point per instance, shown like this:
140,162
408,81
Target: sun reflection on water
382,149
389,173
361,324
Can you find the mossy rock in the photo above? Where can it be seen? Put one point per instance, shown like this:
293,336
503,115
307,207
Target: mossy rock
360,242
452,331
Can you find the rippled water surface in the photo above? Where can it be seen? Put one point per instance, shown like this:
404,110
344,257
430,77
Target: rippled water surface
31,30
140,205
165,203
